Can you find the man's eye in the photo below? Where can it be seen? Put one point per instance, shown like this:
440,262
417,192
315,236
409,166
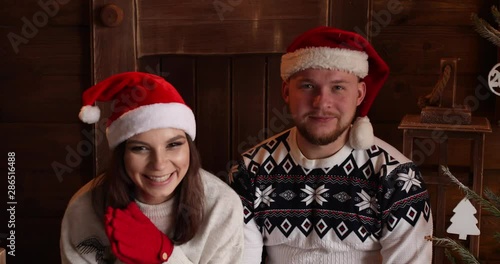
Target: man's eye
307,86
338,87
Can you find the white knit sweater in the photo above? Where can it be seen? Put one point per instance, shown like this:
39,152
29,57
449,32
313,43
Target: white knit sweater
219,240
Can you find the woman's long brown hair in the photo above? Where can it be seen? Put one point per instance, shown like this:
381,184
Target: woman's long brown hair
115,188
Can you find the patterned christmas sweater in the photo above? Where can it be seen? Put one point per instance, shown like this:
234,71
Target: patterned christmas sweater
357,206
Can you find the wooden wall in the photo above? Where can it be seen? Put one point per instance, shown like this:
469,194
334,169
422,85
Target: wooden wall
40,89
236,99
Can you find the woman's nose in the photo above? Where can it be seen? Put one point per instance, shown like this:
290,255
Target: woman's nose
159,160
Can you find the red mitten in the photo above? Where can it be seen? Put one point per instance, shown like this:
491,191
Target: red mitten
134,238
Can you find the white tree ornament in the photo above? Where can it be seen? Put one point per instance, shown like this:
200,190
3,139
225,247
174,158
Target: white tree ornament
494,79
463,221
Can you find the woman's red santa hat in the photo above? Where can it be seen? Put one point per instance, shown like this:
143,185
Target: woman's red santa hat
335,49
140,102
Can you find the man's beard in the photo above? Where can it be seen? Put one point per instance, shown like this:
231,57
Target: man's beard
324,139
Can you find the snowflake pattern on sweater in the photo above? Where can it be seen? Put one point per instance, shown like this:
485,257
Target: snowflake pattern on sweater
366,193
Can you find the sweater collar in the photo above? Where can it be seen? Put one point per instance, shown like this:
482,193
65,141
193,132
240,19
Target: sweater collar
158,210
310,164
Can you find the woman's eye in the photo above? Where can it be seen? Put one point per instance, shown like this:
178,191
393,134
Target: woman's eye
138,148
175,144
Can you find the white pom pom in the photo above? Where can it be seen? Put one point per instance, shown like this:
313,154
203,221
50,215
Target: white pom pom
361,134
89,114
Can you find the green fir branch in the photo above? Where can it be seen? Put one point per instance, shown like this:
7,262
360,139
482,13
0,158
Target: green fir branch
464,254
471,194
450,257
486,30
494,199
496,14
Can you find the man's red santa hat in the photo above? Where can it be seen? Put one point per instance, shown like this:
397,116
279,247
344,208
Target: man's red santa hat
140,102
335,49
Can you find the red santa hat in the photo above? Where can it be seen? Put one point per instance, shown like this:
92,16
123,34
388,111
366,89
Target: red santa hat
140,102
331,48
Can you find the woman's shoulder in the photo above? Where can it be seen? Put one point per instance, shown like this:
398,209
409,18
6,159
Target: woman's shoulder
218,191
81,201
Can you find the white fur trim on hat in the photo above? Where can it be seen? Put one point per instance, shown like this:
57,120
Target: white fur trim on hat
148,117
89,114
361,134
351,61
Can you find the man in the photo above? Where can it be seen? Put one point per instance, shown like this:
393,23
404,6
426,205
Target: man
326,191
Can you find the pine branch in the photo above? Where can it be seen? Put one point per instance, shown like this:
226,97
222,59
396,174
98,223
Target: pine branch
486,30
495,199
496,14
465,255
450,257
471,194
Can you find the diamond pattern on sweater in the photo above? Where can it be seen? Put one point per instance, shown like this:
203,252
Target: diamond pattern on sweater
342,230
359,195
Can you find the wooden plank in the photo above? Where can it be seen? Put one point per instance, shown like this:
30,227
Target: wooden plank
213,37
113,51
54,99
427,45
248,103
55,13
213,113
37,146
350,15
232,10
278,117
492,145
427,12
52,51
37,237
32,184
180,72
404,89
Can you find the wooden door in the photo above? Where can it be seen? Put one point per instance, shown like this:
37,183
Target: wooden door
223,56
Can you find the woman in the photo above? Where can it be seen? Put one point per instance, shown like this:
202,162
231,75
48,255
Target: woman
154,204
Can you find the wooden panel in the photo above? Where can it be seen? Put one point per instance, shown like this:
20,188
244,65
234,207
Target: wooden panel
231,37
428,12
218,27
113,52
403,91
38,145
180,72
491,148
58,13
54,99
278,117
53,51
350,15
40,242
420,52
232,10
213,113
248,107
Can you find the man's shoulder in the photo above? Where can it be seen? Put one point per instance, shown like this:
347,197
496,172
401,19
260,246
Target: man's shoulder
267,147
394,153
